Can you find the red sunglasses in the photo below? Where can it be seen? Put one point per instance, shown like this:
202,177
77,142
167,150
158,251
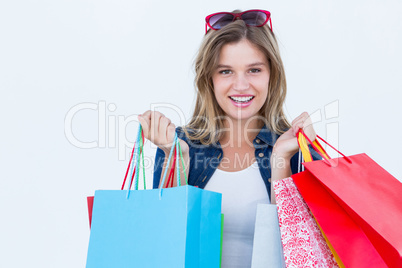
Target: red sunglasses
255,18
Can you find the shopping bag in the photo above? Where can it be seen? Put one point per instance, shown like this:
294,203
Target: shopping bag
222,224
267,244
90,199
349,241
173,227
335,223
303,242
356,200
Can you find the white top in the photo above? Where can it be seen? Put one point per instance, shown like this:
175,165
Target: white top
241,192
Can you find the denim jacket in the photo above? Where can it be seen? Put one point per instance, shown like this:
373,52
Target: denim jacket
204,159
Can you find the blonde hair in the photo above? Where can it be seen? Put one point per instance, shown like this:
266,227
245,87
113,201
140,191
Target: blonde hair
206,122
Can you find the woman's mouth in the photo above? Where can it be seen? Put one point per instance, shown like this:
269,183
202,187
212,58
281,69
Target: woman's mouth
241,101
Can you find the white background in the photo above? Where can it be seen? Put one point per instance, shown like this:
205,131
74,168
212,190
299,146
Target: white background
55,55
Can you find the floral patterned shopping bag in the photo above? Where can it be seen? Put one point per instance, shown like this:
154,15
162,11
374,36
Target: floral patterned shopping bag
303,243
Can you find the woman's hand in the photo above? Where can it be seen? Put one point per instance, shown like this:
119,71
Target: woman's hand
160,131
286,146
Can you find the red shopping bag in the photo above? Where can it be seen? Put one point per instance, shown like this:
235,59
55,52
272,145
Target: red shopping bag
355,200
347,239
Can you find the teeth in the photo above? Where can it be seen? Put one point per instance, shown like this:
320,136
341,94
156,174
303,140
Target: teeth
241,99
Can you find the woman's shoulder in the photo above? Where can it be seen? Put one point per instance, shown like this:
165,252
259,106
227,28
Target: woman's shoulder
267,135
189,135
182,134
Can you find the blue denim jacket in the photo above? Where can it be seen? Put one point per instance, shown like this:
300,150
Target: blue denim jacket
204,159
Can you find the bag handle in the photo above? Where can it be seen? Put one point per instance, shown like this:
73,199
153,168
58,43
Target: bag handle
137,152
174,166
182,163
131,159
171,173
176,147
128,168
302,141
137,173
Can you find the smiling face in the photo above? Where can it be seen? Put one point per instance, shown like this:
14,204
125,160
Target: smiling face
241,80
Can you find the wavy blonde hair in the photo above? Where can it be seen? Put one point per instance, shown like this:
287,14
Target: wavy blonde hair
207,119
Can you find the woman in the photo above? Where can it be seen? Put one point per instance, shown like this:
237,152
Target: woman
238,140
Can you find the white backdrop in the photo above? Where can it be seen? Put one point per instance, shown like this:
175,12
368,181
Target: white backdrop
343,64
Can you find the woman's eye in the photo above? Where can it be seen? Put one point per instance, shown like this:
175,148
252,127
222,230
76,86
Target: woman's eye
255,70
225,72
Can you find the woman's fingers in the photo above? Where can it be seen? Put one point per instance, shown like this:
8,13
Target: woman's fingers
297,123
286,146
163,124
299,118
300,122
304,122
145,121
155,116
158,129
163,131
170,132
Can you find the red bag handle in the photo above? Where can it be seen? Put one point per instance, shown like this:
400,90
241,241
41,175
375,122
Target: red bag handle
320,150
171,174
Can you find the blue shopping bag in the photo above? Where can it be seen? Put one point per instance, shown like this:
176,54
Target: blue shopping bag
173,227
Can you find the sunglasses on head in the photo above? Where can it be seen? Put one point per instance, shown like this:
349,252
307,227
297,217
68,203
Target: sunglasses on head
254,18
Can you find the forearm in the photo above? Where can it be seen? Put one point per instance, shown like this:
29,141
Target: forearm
280,169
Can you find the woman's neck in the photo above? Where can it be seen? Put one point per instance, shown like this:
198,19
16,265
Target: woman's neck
239,133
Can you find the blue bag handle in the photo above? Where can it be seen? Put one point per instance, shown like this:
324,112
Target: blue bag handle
138,147
179,156
167,165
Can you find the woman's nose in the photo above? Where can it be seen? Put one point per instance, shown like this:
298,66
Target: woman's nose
240,82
